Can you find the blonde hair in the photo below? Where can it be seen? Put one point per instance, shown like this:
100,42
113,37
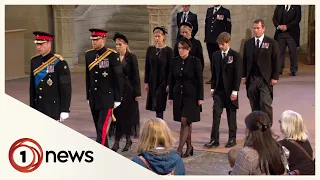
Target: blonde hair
186,27
161,32
232,156
292,126
155,132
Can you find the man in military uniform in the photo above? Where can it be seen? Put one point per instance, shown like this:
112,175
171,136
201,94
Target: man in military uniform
50,80
103,83
217,21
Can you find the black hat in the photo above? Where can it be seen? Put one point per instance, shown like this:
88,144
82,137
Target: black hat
162,28
183,39
97,33
120,36
42,37
187,24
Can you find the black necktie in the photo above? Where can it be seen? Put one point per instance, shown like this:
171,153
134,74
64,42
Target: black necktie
224,55
258,43
184,17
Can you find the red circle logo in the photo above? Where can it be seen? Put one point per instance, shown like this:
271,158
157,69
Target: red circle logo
37,154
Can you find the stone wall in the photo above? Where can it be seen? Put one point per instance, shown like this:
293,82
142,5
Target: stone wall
30,18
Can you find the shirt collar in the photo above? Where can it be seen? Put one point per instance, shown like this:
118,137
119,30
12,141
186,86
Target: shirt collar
225,51
260,38
217,8
185,12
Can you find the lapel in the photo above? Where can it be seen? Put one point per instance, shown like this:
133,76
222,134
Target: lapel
179,17
125,59
263,41
225,60
219,64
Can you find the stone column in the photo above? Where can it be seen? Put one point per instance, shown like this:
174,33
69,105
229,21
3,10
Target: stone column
64,30
160,16
311,36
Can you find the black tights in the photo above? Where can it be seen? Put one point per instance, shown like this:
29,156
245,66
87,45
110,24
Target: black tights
159,114
185,135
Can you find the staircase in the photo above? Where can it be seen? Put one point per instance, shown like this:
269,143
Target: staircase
133,22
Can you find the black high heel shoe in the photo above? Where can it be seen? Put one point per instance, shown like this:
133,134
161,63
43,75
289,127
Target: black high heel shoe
115,147
127,146
188,153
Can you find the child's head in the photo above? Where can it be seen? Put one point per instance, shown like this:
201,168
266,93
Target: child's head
232,156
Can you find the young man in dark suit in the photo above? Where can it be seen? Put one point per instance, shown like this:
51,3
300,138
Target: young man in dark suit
217,20
261,67
286,19
226,79
187,16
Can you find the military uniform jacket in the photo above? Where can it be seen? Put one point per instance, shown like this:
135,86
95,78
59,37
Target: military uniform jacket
50,85
216,23
103,79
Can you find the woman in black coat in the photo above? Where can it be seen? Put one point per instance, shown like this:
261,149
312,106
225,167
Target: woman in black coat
186,92
157,68
196,51
127,114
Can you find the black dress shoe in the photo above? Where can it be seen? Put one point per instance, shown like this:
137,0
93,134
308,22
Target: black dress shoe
231,143
211,144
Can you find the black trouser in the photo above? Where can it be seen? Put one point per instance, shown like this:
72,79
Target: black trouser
284,40
211,48
222,100
102,120
259,96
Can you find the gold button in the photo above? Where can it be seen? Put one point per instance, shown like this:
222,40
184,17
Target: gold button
54,102
40,89
96,72
41,80
109,92
95,89
40,97
95,81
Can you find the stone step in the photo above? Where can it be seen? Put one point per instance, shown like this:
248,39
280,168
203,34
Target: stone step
128,27
132,36
132,10
130,19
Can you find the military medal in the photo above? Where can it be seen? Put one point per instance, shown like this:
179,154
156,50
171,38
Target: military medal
104,74
266,45
49,82
50,69
230,59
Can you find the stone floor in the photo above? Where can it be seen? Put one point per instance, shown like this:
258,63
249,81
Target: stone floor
295,93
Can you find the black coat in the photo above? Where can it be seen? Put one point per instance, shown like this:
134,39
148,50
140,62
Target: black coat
268,61
104,80
196,50
127,114
216,23
50,89
291,18
186,88
231,68
192,18
156,75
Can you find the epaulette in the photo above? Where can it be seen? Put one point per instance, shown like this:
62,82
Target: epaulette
35,56
89,50
59,57
112,50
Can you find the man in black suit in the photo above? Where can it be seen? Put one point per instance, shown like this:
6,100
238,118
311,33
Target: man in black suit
217,20
261,67
286,19
226,79
187,16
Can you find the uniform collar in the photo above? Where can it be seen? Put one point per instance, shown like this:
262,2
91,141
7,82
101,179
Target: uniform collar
47,57
101,51
217,8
